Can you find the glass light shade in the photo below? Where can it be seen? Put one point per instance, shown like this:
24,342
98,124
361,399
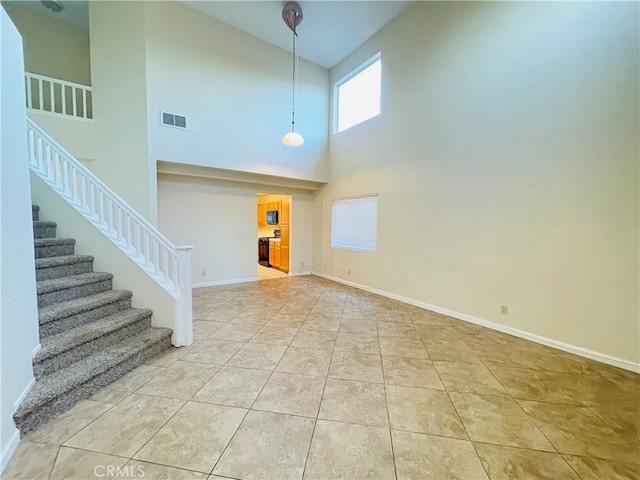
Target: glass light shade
293,139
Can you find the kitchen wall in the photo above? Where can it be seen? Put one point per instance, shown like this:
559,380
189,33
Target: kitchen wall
51,47
235,91
219,219
506,162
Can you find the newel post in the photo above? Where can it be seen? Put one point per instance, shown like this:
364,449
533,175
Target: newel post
183,322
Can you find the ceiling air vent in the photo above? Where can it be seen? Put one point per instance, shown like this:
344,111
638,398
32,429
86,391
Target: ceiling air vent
173,120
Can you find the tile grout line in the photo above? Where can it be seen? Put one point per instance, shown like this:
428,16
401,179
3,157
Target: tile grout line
315,424
252,404
113,405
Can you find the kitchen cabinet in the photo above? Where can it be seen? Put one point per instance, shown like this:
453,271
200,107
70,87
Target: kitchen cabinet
275,254
272,254
284,248
262,215
285,211
278,257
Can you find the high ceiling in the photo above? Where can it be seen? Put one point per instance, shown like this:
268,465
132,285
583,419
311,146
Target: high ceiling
330,31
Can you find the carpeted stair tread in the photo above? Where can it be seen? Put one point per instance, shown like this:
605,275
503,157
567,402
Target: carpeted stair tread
42,223
62,342
52,242
60,310
58,383
47,286
53,247
49,262
35,211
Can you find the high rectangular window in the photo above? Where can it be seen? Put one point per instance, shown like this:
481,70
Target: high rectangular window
354,223
357,96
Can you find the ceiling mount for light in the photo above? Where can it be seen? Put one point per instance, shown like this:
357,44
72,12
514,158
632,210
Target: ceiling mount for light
52,5
292,16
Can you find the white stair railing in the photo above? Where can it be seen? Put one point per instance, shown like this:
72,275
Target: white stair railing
58,97
169,265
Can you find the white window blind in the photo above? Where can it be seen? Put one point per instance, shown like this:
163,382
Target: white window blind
358,95
354,223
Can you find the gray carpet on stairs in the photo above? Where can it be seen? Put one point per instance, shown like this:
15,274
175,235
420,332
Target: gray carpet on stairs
90,335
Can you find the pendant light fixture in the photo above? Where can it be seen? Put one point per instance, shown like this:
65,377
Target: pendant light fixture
292,16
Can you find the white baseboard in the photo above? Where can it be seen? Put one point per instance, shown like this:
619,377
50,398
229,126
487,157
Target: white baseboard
300,274
217,283
9,449
583,352
24,394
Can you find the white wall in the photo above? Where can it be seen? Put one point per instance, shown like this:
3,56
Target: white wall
506,159
236,93
118,73
219,218
19,335
53,48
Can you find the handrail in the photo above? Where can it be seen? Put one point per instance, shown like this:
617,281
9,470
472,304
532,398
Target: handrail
167,264
58,97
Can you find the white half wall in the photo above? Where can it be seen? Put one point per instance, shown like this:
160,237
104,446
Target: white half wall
506,163
19,336
220,219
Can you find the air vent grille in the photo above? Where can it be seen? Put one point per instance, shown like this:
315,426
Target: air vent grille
173,120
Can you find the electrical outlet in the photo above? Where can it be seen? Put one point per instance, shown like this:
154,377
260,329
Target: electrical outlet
504,309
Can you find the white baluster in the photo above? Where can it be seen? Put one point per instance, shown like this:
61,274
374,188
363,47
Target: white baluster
75,102
29,93
156,255
65,175
40,102
83,191
52,96
165,263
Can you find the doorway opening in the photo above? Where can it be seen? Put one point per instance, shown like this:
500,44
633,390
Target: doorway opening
274,234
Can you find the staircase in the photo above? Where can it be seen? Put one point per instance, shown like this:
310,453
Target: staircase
90,335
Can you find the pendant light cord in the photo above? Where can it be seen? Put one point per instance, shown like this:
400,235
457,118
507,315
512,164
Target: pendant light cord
294,84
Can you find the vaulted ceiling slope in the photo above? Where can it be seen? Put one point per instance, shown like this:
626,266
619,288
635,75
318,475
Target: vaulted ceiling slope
330,31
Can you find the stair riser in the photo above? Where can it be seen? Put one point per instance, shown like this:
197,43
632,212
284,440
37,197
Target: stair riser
54,251
63,270
61,404
72,321
65,359
34,213
72,293
44,231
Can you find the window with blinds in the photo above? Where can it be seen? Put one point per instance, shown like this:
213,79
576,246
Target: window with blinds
354,223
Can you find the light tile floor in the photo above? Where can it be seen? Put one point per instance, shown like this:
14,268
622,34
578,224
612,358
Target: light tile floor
269,273
303,378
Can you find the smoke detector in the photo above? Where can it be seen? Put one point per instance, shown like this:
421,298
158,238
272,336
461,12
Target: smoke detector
52,5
